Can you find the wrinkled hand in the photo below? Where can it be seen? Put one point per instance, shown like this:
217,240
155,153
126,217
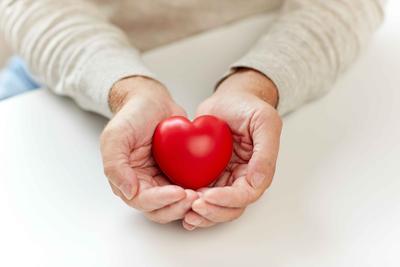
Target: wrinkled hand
139,104
246,101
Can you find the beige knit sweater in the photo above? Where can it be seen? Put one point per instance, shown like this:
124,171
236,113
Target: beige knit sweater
81,49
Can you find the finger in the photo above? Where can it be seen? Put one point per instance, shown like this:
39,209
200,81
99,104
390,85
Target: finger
161,180
116,163
143,185
115,190
124,178
157,197
187,226
222,180
174,211
215,213
193,220
266,131
239,195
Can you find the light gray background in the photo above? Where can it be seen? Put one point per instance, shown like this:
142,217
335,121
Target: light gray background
334,202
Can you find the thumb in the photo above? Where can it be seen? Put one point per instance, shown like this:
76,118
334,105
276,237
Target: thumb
116,163
124,178
266,138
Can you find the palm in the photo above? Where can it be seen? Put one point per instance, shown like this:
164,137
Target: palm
142,162
138,135
237,167
126,146
239,116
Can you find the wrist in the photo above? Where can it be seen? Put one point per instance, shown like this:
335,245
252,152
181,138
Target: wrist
123,90
253,82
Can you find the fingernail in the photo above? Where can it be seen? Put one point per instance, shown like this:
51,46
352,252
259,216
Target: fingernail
190,227
126,189
257,180
196,221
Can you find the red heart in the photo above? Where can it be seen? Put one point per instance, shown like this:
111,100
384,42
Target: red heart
192,155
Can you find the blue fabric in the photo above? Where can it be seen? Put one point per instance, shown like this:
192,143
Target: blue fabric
15,79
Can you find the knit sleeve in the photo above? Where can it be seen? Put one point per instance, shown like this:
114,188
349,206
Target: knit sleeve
71,47
310,44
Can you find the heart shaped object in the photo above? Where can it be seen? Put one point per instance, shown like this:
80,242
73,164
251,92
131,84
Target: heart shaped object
192,154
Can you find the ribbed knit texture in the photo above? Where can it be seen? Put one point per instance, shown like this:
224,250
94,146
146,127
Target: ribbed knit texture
80,49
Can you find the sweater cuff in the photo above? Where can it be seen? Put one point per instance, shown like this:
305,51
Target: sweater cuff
100,72
275,71
305,50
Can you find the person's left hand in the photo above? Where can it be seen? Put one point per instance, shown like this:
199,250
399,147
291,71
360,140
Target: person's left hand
246,101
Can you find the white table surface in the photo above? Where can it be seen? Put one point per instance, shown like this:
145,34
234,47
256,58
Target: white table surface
335,200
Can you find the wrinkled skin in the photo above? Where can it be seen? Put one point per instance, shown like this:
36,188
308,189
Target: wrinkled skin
256,128
245,100
127,157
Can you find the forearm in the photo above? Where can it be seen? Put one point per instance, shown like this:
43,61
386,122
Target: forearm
71,48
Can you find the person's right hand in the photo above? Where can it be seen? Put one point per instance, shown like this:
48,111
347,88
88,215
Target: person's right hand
139,104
